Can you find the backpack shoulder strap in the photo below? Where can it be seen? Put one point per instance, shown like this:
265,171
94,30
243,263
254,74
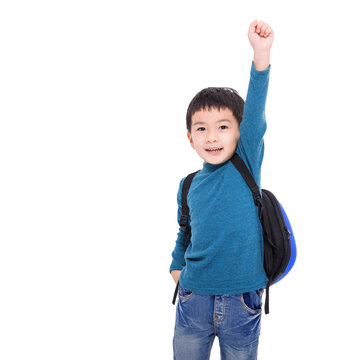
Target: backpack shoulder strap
184,218
184,204
244,171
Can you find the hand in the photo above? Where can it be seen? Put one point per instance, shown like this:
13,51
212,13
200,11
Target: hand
260,36
175,274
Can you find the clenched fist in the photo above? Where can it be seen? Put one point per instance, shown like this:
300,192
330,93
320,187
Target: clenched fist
260,36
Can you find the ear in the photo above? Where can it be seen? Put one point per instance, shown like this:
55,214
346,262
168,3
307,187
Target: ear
190,139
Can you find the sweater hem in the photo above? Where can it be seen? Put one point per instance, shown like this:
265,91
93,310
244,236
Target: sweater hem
222,291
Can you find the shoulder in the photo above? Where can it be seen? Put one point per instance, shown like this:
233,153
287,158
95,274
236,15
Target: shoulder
180,188
189,178
181,182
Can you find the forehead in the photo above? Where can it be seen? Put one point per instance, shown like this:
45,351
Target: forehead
213,115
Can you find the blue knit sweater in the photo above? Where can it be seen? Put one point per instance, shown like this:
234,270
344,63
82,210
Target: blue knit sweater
225,255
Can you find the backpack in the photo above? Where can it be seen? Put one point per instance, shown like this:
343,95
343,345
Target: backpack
279,241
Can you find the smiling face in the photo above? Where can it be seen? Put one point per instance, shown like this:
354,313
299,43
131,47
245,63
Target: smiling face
214,129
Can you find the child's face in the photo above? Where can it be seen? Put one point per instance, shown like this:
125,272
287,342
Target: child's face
214,129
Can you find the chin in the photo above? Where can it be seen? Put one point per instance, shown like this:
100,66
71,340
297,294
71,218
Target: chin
215,161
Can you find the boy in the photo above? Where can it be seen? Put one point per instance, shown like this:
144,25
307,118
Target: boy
221,274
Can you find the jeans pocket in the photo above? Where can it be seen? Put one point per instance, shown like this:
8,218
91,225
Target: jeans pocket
184,294
252,301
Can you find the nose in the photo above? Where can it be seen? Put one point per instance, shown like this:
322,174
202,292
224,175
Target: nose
211,136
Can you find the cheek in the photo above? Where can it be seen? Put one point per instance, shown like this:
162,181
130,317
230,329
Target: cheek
198,138
232,141
230,138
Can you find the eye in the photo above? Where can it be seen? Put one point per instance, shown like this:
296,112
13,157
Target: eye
198,129
224,126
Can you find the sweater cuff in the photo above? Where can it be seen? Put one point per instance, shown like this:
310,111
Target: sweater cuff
256,73
175,266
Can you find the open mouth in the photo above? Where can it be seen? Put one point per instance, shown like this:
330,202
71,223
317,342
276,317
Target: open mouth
214,150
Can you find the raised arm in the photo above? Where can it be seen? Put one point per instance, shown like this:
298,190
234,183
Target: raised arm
253,124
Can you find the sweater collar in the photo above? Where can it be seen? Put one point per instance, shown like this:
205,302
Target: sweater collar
207,167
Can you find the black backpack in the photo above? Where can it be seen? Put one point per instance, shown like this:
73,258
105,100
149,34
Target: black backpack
279,242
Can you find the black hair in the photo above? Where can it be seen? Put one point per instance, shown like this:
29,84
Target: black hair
216,97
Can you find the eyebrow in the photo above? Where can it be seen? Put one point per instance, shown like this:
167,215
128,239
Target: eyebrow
203,122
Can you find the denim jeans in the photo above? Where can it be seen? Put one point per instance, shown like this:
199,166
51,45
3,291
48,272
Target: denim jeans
234,319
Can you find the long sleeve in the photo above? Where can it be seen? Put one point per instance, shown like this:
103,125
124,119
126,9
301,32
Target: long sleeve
179,250
253,125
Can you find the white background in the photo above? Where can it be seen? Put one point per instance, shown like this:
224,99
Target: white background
93,146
